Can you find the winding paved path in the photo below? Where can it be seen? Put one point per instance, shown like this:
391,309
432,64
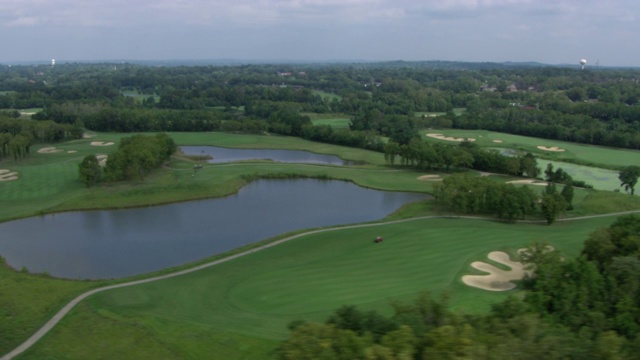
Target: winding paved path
65,310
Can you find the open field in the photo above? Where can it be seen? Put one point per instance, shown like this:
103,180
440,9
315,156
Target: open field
587,154
327,96
228,326
240,309
137,96
334,120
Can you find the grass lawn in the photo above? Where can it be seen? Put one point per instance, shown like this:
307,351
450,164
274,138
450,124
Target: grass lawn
327,96
587,154
334,120
27,301
240,309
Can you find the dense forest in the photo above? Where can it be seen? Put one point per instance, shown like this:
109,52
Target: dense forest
594,106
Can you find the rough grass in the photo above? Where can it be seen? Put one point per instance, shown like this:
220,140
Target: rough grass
27,301
249,301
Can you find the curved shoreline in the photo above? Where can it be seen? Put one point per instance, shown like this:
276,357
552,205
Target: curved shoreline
69,306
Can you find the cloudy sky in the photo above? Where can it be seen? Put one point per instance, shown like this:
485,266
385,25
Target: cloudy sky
548,31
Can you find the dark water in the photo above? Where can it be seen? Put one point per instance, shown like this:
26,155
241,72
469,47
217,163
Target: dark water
118,243
221,155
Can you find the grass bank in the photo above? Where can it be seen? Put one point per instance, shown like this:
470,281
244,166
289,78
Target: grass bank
239,309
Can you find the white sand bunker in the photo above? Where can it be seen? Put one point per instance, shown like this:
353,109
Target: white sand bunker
72,151
553,148
102,160
497,141
496,279
101,143
430,178
449,138
8,175
49,150
528,181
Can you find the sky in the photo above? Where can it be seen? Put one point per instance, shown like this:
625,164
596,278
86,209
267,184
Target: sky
547,31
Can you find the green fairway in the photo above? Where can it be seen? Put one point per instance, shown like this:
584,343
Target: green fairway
587,154
139,97
335,120
327,96
241,308
251,299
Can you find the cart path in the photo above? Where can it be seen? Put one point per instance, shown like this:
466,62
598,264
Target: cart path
68,307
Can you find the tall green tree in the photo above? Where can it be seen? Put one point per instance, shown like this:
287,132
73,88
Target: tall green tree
567,194
629,178
552,205
90,170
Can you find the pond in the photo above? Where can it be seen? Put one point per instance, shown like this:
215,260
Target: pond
222,155
118,243
600,179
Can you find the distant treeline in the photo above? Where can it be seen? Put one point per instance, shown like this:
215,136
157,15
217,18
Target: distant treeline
599,107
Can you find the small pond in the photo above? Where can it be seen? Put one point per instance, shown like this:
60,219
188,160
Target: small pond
222,155
118,243
600,179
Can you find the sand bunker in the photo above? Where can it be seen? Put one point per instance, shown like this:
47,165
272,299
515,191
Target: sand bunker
72,151
528,181
101,143
102,160
553,148
8,175
430,178
496,279
448,138
497,141
49,150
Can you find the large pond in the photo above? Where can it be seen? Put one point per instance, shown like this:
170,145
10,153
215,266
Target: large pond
118,243
222,155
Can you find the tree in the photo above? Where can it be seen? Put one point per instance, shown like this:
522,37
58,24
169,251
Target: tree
552,205
391,150
567,194
629,177
529,166
90,171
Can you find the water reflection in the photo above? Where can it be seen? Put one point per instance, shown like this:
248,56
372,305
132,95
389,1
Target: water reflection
117,243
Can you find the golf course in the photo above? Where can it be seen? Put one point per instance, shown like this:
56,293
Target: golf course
241,307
